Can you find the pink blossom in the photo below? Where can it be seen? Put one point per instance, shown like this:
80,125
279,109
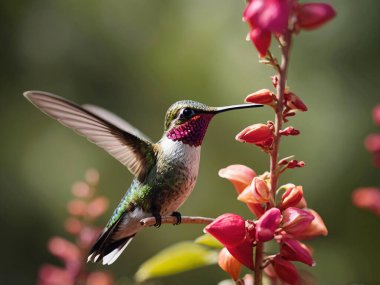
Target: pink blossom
295,220
239,175
313,15
229,229
294,250
243,252
285,270
258,134
376,114
291,197
316,228
263,96
372,143
257,192
267,225
293,102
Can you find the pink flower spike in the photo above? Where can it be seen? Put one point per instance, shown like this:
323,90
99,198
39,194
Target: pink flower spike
258,134
292,196
267,225
49,274
229,229
316,228
229,263
313,15
100,278
285,270
261,39
64,249
367,198
376,115
263,96
239,175
295,220
294,250
243,252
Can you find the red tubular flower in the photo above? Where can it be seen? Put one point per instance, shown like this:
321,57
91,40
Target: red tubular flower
266,17
263,96
257,192
372,143
316,228
289,131
285,270
292,196
295,221
367,198
293,102
294,250
239,175
229,229
313,15
267,225
258,134
229,264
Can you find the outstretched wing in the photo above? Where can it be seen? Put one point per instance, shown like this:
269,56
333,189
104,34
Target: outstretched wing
136,153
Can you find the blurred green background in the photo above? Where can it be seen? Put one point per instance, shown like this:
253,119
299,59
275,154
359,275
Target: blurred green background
138,57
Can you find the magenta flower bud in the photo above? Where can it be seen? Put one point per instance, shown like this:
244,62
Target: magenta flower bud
285,270
289,131
313,15
267,224
258,134
229,229
294,250
295,221
263,96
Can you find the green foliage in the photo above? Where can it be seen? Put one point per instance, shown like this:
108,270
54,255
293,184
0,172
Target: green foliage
177,258
208,240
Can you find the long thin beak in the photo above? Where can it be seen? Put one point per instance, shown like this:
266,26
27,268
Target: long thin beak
218,110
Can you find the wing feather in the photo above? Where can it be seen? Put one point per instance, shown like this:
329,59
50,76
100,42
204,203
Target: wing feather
121,140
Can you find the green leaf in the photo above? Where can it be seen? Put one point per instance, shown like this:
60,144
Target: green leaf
208,240
177,258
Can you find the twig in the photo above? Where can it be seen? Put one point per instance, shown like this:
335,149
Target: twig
151,221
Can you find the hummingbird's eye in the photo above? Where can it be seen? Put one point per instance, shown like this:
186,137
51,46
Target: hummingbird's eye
186,113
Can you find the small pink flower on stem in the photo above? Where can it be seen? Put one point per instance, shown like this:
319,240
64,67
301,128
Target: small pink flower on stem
257,192
267,225
313,15
291,197
289,131
294,250
263,96
258,134
367,198
295,221
293,102
266,17
316,228
229,229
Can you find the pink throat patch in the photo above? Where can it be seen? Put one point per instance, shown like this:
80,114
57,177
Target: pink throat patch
192,132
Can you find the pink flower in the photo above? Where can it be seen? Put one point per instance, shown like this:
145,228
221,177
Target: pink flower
291,197
295,221
229,229
243,252
294,250
289,131
285,270
267,225
239,175
263,96
372,143
229,263
257,192
313,15
367,198
266,17
293,102
258,134
316,228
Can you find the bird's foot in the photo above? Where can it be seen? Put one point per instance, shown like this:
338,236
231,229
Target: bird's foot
158,221
178,216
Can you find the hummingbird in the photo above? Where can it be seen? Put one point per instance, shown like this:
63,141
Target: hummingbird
164,172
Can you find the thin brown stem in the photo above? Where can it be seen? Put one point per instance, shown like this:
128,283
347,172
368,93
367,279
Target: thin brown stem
151,221
285,50
258,270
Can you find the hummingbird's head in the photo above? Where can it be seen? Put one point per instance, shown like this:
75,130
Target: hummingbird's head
187,121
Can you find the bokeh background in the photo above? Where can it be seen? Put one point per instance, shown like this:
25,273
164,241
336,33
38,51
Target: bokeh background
138,57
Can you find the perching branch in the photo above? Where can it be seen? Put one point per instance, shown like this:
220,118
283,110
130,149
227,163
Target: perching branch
151,221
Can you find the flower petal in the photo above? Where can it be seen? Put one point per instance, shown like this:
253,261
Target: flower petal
243,252
239,175
313,15
261,39
294,250
285,270
295,220
267,225
229,263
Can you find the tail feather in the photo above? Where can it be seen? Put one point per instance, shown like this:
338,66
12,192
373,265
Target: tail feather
106,249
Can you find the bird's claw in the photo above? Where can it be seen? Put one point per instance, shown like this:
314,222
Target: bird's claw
178,216
158,221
